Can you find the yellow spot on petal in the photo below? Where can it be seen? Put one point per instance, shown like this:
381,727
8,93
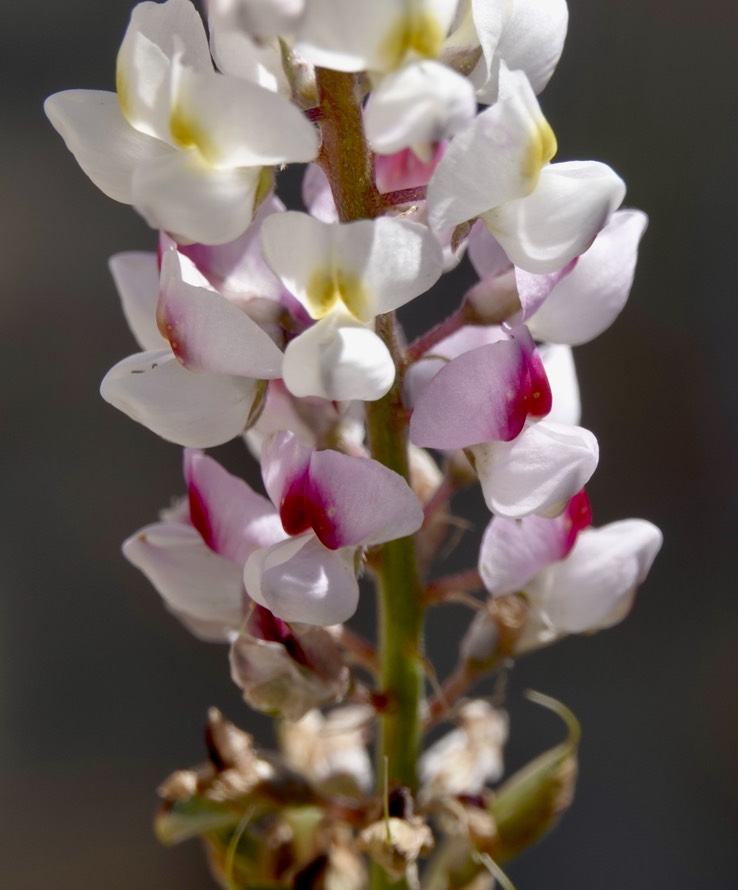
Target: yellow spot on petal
187,133
329,288
541,148
416,34
122,90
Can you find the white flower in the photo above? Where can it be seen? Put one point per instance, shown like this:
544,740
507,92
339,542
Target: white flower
345,275
497,168
574,577
197,386
378,36
184,145
417,107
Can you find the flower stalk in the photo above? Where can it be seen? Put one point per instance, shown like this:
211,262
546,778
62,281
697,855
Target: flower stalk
279,326
348,163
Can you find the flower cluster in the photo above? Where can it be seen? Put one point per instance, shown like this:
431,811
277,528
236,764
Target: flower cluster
425,147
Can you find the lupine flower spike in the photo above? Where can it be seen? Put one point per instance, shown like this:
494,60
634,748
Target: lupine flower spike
274,323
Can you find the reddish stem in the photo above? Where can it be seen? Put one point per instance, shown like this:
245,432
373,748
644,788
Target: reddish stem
425,343
461,582
405,196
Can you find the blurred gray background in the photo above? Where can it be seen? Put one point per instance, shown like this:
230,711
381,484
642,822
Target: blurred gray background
102,693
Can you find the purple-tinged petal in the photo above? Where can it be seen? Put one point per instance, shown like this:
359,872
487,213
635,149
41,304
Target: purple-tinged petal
285,464
204,590
513,551
421,372
594,587
238,269
486,254
481,396
494,300
533,289
300,580
355,501
312,420
136,276
186,407
538,472
232,518
317,196
208,333
586,302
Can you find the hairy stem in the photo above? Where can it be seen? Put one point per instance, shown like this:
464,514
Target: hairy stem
401,600
348,163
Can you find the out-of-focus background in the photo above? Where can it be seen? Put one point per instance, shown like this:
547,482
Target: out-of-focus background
102,693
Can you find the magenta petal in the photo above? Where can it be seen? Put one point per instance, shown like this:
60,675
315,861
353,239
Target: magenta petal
232,518
540,398
481,396
576,517
356,501
285,464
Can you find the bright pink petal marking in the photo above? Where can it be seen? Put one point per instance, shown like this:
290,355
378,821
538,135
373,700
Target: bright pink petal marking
356,501
576,516
231,518
322,515
293,510
404,169
285,464
199,513
539,398
264,625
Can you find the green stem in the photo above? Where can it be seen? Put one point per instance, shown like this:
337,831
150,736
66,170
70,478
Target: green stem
349,166
401,610
400,597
